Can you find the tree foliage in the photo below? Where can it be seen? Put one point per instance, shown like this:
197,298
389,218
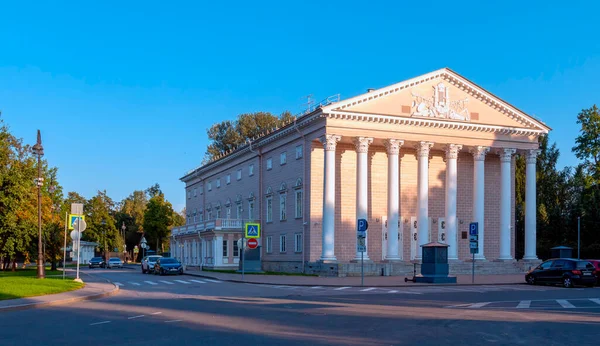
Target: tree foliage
588,141
158,219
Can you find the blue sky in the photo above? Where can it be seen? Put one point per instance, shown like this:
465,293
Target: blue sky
124,91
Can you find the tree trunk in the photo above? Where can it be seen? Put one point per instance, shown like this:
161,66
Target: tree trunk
53,264
14,265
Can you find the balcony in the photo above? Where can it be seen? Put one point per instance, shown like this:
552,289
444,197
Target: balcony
212,225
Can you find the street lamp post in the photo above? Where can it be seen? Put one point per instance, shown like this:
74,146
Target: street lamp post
104,233
38,150
123,228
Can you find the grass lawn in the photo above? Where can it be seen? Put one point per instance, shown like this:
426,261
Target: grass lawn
23,283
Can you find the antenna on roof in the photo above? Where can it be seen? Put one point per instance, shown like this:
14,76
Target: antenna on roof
309,103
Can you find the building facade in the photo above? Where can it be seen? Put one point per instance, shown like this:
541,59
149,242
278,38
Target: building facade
420,160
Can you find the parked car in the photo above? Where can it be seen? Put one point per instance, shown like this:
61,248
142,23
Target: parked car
565,271
114,262
148,263
596,264
97,262
168,265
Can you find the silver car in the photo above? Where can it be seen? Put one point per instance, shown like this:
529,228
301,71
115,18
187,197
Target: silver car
114,262
148,263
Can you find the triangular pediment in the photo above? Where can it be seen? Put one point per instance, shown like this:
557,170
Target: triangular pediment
441,95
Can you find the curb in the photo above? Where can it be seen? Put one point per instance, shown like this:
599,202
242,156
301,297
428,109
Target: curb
330,285
114,291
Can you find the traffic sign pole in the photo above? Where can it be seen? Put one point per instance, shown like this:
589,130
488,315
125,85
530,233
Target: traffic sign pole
243,250
78,247
65,247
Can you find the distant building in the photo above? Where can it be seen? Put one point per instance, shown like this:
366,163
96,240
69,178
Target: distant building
87,252
419,160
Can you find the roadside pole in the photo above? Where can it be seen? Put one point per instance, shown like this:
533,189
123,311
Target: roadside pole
78,247
361,234
362,269
473,245
243,250
65,247
578,238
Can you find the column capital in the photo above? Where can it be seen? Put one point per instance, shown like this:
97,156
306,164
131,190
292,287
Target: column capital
479,152
531,155
393,146
423,148
452,151
362,144
506,154
330,141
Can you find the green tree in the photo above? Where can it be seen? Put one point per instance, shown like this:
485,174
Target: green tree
588,141
157,220
101,228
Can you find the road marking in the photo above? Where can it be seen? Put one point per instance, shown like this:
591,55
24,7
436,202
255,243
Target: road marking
171,321
595,300
215,281
281,286
368,289
316,287
565,304
166,282
341,288
97,323
156,313
393,291
478,305
151,282
134,317
198,281
524,304
134,283
118,284
183,282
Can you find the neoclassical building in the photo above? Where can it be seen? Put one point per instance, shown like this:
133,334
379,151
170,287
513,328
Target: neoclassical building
419,159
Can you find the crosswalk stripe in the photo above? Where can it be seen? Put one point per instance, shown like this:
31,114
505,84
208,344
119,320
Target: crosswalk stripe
215,281
393,291
198,281
281,286
134,283
341,288
565,304
183,282
118,284
151,282
316,287
595,300
478,305
368,289
524,304
167,282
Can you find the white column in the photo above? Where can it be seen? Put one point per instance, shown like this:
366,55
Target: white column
218,254
362,194
393,206
479,153
423,195
451,187
505,205
328,251
530,205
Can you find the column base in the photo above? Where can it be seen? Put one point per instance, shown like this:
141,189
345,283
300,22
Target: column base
530,258
505,258
357,259
393,259
328,259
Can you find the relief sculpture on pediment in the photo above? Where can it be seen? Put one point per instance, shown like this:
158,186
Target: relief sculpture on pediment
439,105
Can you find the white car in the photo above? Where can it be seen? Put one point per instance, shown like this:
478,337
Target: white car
114,262
148,263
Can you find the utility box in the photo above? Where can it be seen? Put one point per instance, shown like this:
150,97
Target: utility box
434,267
252,260
561,252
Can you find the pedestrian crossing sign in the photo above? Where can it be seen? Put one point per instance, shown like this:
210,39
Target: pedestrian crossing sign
252,230
73,217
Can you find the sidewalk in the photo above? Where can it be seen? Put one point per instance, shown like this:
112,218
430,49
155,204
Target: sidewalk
372,281
91,290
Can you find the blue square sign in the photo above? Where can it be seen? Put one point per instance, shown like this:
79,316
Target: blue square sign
474,228
252,230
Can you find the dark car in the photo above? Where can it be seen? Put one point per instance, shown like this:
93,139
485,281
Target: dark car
565,271
167,265
96,262
596,264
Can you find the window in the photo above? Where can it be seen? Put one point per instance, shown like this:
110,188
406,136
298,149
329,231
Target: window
298,242
218,213
546,265
209,216
189,194
269,209
228,212
298,199
299,152
282,243
269,164
188,219
225,248
228,179
201,215
269,244
236,249
239,174
238,214
251,210
218,183
282,158
251,170
195,211
194,192
282,207
210,186
201,190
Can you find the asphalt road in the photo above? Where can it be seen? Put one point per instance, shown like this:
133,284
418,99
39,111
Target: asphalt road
186,310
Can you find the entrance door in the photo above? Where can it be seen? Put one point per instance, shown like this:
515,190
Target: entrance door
413,238
384,237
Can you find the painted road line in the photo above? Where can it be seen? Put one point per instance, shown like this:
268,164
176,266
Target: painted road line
134,317
215,281
393,291
565,304
118,284
183,282
134,283
524,304
315,287
172,321
166,282
368,289
595,300
97,323
198,281
341,288
151,282
156,313
281,286
478,305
